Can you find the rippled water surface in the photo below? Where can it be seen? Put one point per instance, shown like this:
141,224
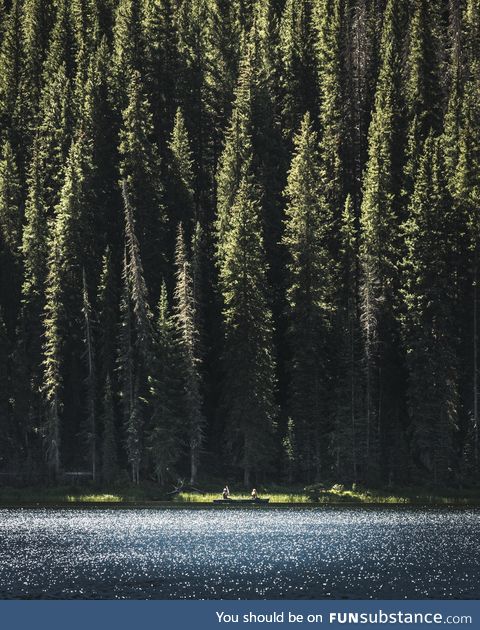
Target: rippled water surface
235,553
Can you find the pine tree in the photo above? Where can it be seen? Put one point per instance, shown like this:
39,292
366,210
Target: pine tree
191,15
128,56
11,212
329,22
91,429
380,249
109,440
126,374
181,193
185,318
135,343
309,296
163,64
223,43
142,315
54,132
422,83
140,168
249,386
63,291
165,432
466,190
237,152
35,254
5,420
107,307
298,55
97,121
36,25
429,320
10,65
349,433
359,84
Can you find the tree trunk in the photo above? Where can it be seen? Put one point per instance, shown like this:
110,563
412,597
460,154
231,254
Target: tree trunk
475,360
193,465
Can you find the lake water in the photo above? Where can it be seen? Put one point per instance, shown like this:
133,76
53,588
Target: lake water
239,553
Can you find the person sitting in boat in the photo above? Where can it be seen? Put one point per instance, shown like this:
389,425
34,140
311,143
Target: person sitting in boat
226,493
254,494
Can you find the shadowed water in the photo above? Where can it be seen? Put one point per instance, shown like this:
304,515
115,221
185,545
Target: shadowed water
235,553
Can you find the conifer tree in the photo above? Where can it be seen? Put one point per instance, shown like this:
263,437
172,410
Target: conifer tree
186,319
466,189
237,153
11,216
140,168
165,439
135,343
107,307
10,65
109,440
297,43
54,132
128,55
5,428
223,43
22,413
359,83
379,247
91,429
329,23
36,25
126,374
163,64
422,83
309,297
190,16
181,193
349,435
429,320
249,387
142,315
63,291
34,251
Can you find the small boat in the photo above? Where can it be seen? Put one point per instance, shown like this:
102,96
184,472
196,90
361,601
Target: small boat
256,501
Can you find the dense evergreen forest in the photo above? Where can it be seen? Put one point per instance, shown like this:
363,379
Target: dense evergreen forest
240,237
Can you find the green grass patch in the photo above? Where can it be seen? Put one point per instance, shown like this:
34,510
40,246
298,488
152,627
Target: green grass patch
275,497
317,494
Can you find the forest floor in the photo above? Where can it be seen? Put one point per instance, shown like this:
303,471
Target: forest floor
312,495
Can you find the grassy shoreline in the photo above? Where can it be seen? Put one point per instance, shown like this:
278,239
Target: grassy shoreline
336,495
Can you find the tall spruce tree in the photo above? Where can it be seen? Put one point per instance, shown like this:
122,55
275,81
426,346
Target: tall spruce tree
309,295
237,152
431,338
380,252
249,388
349,432
140,168
109,436
10,66
297,46
166,433
11,218
423,94
466,190
181,201
186,320
135,343
90,424
63,297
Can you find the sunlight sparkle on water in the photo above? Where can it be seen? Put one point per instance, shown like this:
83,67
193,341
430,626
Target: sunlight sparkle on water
271,553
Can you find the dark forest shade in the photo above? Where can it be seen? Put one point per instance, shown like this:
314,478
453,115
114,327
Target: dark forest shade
240,239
